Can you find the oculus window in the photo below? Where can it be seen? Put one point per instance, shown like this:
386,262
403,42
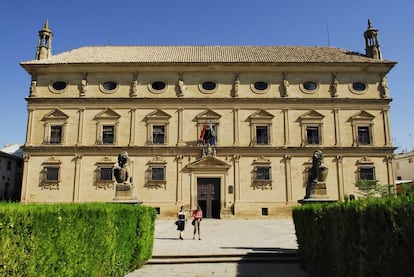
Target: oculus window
208,87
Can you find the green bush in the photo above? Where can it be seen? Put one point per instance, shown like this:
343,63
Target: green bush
371,237
74,239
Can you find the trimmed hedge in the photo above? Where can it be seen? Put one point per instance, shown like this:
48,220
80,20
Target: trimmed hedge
372,237
93,239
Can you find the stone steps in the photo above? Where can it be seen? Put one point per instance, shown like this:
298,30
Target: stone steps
226,258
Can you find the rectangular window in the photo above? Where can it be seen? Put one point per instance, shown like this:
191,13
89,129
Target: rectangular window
108,134
157,173
158,134
262,136
363,136
312,135
52,173
55,134
106,174
366,173
9,165
410,160
262,173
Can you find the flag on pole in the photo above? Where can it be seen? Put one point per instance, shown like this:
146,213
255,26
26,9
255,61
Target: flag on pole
203,131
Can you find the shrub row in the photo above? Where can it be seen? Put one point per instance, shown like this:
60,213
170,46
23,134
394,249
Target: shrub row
373,237
74,239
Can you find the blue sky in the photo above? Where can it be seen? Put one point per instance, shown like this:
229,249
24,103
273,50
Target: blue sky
78,23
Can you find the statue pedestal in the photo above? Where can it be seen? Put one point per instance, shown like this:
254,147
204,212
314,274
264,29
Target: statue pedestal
317,194
317,190
124,193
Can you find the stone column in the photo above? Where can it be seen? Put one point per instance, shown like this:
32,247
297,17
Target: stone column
193,191
340,177
288,178
132,128
236,127
179,187
237,186
386,119
390,171
80,126
76,179
286,127
29,127
337,128
25,178
180,141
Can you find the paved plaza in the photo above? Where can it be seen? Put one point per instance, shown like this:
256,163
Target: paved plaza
238,248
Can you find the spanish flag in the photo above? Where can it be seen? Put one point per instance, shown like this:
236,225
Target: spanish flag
203,131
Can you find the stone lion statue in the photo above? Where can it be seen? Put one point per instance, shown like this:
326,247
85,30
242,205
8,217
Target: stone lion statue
121,172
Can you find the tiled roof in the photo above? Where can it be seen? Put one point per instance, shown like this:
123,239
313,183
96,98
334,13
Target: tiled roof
205,54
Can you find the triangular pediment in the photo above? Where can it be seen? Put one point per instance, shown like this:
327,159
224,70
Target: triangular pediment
311,115
362,115
107,114
209,163
158,115
262,114
55,115
207,115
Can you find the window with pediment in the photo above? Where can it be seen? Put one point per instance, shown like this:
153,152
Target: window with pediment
262,174
366,170
107,123
362,126
260,128
50,174
208,120
104,174
157,127
311,124
55,124
155,176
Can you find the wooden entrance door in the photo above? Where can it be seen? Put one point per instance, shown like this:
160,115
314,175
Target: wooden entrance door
208,196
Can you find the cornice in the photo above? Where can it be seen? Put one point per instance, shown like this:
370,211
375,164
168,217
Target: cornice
173,151
207,103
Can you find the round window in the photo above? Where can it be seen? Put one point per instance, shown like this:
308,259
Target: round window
109,85
310,85
158,85
209,85
59,85
261,85
358,86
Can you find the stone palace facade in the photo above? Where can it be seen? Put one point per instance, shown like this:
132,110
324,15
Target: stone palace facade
266,110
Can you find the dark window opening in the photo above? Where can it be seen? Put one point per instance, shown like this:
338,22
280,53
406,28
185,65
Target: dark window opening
109,85
59,85
310,85
366,173
158,85
208,85
157,174
358,86
55,134
106,174
262,136
261,85
158,134
108,134
312,135
52,173
265,211
262,173
363,135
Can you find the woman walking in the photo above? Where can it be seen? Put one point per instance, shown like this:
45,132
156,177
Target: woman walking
180,221
197,215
